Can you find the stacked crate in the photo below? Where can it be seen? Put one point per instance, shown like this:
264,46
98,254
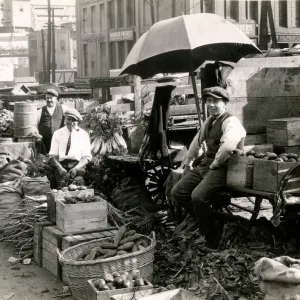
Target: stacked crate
68,225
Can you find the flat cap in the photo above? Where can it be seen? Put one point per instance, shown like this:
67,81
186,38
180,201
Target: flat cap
52,92
72,112
216,92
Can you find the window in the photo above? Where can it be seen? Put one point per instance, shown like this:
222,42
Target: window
84,20
130,13
130,45
164,9
297,13
111,14
148,17
121,54
234,10
113,53
120,13
209,6
103,60
283,13
62,45
102,17
93,18
253,11
85,60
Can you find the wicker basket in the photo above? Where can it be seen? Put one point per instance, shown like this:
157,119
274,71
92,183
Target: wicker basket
78,272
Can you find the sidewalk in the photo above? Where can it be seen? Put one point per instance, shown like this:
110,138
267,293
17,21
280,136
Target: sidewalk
26,282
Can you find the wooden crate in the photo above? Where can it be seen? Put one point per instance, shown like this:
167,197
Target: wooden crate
287,149
52,197
268,174
240,171
284,132
81,216
37,241
94,294
53,238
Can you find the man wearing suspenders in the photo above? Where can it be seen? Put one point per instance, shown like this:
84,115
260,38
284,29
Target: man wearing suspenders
218,137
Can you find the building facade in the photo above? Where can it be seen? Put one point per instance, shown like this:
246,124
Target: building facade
65,49
107,29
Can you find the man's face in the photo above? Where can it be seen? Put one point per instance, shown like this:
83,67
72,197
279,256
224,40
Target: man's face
71,123
51,100
215,106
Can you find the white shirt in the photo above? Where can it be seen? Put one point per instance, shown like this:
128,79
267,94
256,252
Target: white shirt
233,132
51,111
80,144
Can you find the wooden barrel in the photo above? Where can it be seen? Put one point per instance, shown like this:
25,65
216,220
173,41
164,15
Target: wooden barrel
25,116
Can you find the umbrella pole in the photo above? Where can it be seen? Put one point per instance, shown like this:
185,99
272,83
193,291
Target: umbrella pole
196,95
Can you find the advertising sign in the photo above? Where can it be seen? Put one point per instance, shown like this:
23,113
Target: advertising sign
121,35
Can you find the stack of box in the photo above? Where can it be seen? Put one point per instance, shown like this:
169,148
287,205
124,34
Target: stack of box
284,134
68,225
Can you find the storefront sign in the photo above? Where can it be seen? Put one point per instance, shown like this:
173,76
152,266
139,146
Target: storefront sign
121,35
288,39
247,28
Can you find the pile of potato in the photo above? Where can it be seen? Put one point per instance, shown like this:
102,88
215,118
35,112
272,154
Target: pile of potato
125,241
85,199
283,157
120,281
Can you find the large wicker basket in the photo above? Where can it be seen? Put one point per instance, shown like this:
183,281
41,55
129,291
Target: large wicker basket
78,272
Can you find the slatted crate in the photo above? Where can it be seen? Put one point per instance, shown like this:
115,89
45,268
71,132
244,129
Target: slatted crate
53,238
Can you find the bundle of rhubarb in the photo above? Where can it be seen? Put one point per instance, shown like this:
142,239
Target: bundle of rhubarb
105,129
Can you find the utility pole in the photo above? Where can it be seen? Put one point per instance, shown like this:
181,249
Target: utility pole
44,57
53,47
49,42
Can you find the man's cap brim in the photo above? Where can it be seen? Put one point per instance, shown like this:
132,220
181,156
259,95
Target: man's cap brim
213,95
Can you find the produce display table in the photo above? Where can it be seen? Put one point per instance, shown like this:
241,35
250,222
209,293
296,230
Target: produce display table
24,150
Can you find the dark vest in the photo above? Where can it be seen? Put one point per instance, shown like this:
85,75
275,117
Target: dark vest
213,136
48,124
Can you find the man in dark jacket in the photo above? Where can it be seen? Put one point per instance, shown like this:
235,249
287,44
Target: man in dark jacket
50,117
218,137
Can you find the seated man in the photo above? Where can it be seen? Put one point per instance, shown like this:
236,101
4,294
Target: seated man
220,134
70,149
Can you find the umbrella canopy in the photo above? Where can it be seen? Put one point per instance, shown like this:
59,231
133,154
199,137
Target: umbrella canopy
177,44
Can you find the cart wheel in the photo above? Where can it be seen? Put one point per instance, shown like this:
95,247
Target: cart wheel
156,177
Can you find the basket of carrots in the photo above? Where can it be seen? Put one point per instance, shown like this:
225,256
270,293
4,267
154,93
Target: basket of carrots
125,252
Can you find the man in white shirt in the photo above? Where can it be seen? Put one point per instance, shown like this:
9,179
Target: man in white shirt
50,117
218,137
70,149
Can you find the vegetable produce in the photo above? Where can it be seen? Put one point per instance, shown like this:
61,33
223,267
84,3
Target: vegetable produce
283,157
84,199
105,129
6,122
120,281
117,246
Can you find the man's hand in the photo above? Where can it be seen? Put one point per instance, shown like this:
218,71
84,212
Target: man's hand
62,171
73,172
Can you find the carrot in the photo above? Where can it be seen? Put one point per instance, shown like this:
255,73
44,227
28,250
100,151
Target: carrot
91,255
106,245
119,235
126,246
110,254
131,238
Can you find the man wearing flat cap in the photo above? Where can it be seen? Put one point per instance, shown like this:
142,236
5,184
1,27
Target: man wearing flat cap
211,148
70,150
50,117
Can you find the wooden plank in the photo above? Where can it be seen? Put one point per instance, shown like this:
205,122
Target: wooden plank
50,257
67,226
52,234
37,240
49,267
189,109
255,139
49,246
287,149
284,132
269,174
81,211
240,172
120,90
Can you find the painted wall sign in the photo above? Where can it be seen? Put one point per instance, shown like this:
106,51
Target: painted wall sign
121,35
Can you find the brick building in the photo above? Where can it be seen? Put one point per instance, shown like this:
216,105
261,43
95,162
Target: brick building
107,29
